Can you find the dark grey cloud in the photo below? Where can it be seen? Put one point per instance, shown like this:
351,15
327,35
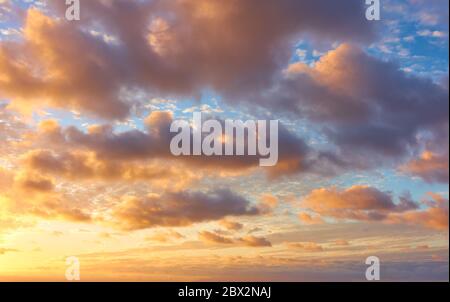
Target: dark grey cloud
180,209
154,144
364,105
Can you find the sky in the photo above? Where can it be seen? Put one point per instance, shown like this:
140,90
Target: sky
86,170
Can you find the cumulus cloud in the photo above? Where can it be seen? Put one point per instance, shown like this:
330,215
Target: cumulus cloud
30,194
80,166
363,203
363,105
154,143
179,209
42,203
65,78
366,112
430,167
166,47
34,182
357,202
435,216
310,219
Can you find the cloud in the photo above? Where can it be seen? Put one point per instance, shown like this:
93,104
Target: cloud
341,242
165,236
31,195
179,209
154,46
434,34
434,217
51,208
359,101
231,225
310,219
254,241
430,167
256,36
214,238
11,130
154,144
34,182
305,246
363,203
431,13
67,80
357,202
363,105
82,166
269,201
250,241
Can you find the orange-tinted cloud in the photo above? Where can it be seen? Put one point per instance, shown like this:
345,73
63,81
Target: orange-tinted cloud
305,246
30,194
369,204
310,219
357,202
154,143
65,78
34,182
364,105
435,216
255,241
79,166
148,50
268,201
44,204
231,225
214,238
430,167
166,236
179,209
250,241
